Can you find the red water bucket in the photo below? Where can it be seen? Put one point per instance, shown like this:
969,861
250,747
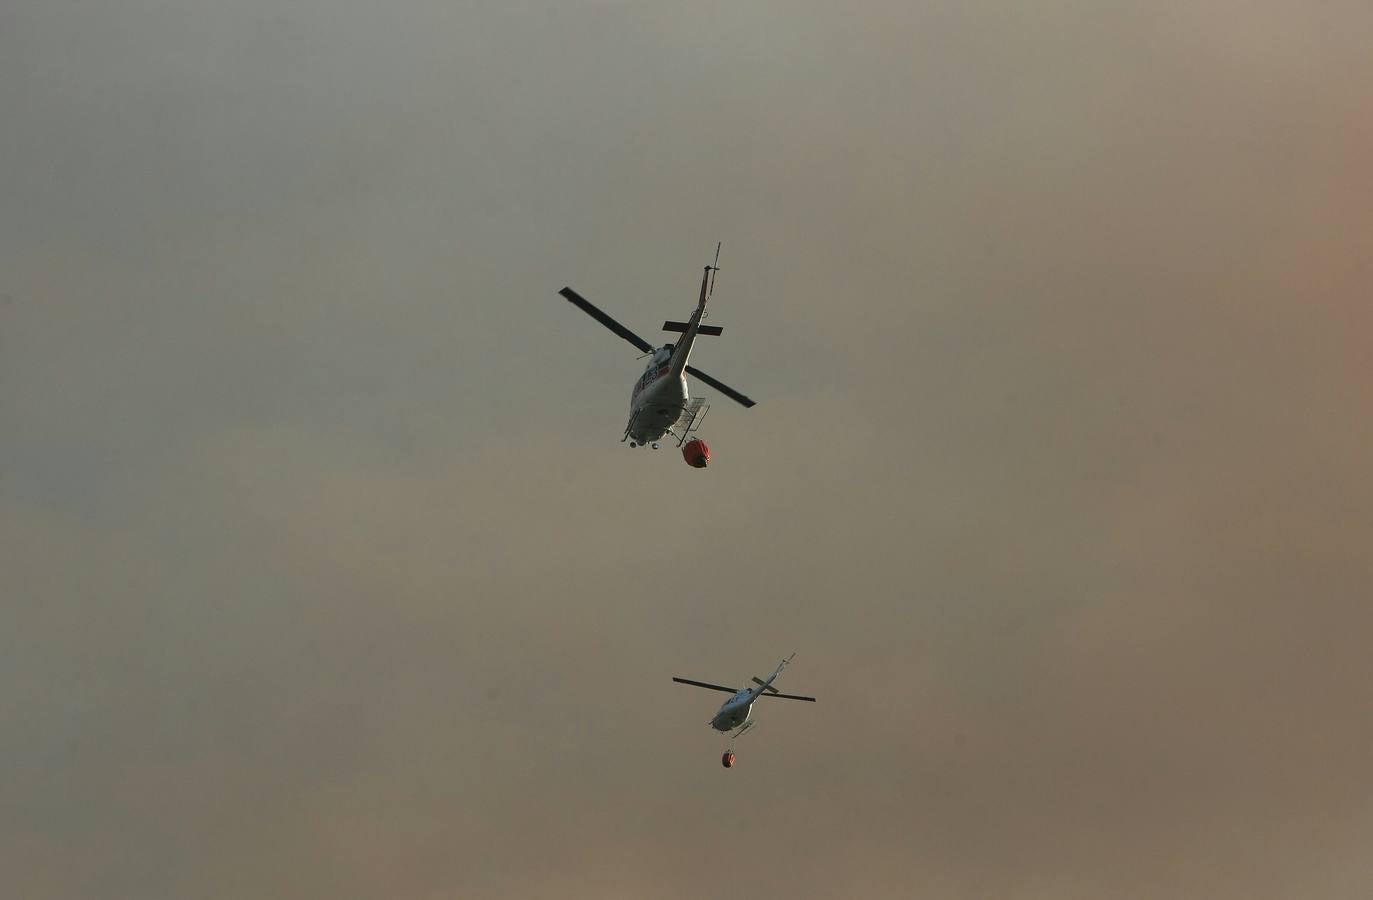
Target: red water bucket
696,452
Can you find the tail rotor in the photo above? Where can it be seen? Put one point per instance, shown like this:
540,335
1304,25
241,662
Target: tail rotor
713,269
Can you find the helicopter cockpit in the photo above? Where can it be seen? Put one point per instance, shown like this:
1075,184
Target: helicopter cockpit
661,356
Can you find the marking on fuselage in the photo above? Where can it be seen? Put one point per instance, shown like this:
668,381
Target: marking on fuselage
648,378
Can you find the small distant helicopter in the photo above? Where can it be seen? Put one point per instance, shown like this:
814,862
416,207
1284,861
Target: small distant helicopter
660,403
734,712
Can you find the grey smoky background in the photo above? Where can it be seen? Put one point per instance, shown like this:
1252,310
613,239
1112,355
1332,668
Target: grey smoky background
324,574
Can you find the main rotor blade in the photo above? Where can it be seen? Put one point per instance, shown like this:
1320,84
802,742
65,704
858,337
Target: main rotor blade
704,684
788,697
723,388
587,307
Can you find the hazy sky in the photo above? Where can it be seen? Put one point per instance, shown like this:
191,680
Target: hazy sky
324,574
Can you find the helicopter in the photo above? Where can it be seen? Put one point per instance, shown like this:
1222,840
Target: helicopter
734,712
660,403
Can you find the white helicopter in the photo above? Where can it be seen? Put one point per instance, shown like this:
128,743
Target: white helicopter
734,712
660,403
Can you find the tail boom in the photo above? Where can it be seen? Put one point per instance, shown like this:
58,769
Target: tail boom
682,352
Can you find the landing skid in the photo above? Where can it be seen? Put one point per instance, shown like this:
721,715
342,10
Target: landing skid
689,422
743,729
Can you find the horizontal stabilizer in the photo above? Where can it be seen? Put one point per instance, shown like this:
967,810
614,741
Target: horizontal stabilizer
765,686
706,684
789,697
681,327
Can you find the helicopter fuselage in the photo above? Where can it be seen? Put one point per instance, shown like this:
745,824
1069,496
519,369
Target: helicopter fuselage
734,711
658,398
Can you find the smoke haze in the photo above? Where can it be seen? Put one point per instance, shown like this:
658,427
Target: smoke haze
325,575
